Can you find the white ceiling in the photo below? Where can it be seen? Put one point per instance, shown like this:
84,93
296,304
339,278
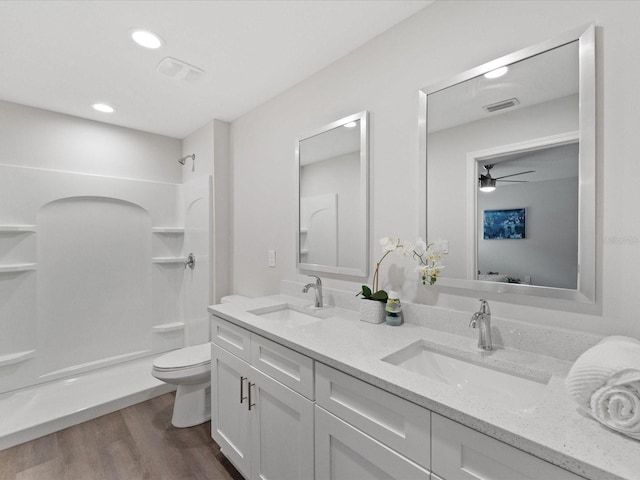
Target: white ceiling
66,55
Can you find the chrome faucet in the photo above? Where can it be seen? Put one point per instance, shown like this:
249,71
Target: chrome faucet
318,290
482,321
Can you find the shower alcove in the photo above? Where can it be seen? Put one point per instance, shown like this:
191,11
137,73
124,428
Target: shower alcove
91,276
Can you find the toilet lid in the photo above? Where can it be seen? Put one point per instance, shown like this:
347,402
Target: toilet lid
184,357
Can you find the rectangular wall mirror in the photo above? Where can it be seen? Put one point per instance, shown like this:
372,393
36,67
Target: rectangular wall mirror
508,162
333,192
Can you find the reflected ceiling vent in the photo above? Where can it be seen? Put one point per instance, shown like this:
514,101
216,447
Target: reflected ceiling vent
174,68
494,107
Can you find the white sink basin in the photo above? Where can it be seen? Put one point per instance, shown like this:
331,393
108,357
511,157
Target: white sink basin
508,389
286,314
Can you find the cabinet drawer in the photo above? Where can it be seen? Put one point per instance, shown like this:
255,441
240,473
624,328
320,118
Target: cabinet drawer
345,453
283,364
460,453
399,424
232,338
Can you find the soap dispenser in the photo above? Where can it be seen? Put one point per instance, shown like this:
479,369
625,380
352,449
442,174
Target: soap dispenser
394,309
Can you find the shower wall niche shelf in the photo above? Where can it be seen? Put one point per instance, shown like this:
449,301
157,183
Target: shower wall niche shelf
167,260
17,228
168,230
17,267
18,357
169,327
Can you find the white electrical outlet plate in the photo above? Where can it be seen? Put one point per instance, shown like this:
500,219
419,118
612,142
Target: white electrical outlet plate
272,258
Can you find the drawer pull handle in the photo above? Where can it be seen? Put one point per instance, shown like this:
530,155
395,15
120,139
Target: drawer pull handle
251,404
242,396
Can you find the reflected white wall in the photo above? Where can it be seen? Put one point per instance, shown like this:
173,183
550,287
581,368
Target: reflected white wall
340,176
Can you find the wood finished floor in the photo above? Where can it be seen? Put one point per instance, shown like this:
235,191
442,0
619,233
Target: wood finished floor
138,442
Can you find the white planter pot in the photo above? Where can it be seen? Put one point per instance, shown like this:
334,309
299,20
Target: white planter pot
372,311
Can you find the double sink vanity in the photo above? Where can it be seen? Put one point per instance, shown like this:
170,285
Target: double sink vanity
301,392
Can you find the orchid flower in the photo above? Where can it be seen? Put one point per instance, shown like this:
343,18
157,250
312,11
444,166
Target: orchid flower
427,256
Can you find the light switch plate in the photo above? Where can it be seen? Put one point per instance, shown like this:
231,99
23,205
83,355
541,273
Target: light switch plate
272,258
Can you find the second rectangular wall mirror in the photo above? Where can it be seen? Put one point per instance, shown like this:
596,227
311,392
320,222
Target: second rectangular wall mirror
332,165
508,152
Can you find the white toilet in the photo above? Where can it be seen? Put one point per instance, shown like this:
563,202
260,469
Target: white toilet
190,369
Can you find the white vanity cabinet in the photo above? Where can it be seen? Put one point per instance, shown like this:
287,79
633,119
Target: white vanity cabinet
262,426
363,432
345,453
266,422
461,453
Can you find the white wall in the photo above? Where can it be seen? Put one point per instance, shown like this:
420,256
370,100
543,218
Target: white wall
222,213
210,144
384,77
201,144
31,137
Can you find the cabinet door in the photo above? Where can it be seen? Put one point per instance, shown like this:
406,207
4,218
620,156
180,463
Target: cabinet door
461,453
345,453
281,431
229,414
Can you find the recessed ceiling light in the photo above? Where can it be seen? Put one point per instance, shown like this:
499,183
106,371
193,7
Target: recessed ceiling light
146,39
498,72
103,107
351,124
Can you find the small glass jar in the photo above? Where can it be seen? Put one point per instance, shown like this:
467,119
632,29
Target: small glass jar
394,310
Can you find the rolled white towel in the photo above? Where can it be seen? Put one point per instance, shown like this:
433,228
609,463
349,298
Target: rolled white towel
605,382
617,405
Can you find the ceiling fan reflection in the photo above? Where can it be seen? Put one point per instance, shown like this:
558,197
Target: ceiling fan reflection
487,183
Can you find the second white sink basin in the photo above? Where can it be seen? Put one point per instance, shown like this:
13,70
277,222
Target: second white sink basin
286,314
511,391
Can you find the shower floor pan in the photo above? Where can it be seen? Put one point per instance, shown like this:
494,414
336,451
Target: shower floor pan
33,412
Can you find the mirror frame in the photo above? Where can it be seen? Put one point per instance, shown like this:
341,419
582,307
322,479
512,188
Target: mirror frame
586,285
363,118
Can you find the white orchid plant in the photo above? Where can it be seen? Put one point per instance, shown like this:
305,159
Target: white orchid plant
429,259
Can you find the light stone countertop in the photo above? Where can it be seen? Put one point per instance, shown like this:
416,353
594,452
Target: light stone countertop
554,430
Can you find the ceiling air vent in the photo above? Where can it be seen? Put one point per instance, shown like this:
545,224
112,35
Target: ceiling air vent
174,68
494,107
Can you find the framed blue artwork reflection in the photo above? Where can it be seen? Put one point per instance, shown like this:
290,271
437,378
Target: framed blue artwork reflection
505,224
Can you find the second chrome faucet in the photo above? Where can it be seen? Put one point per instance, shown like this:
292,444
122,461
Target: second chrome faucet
317,286
482,321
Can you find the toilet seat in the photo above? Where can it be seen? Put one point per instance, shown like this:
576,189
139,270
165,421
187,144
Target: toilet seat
188,366
184,358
